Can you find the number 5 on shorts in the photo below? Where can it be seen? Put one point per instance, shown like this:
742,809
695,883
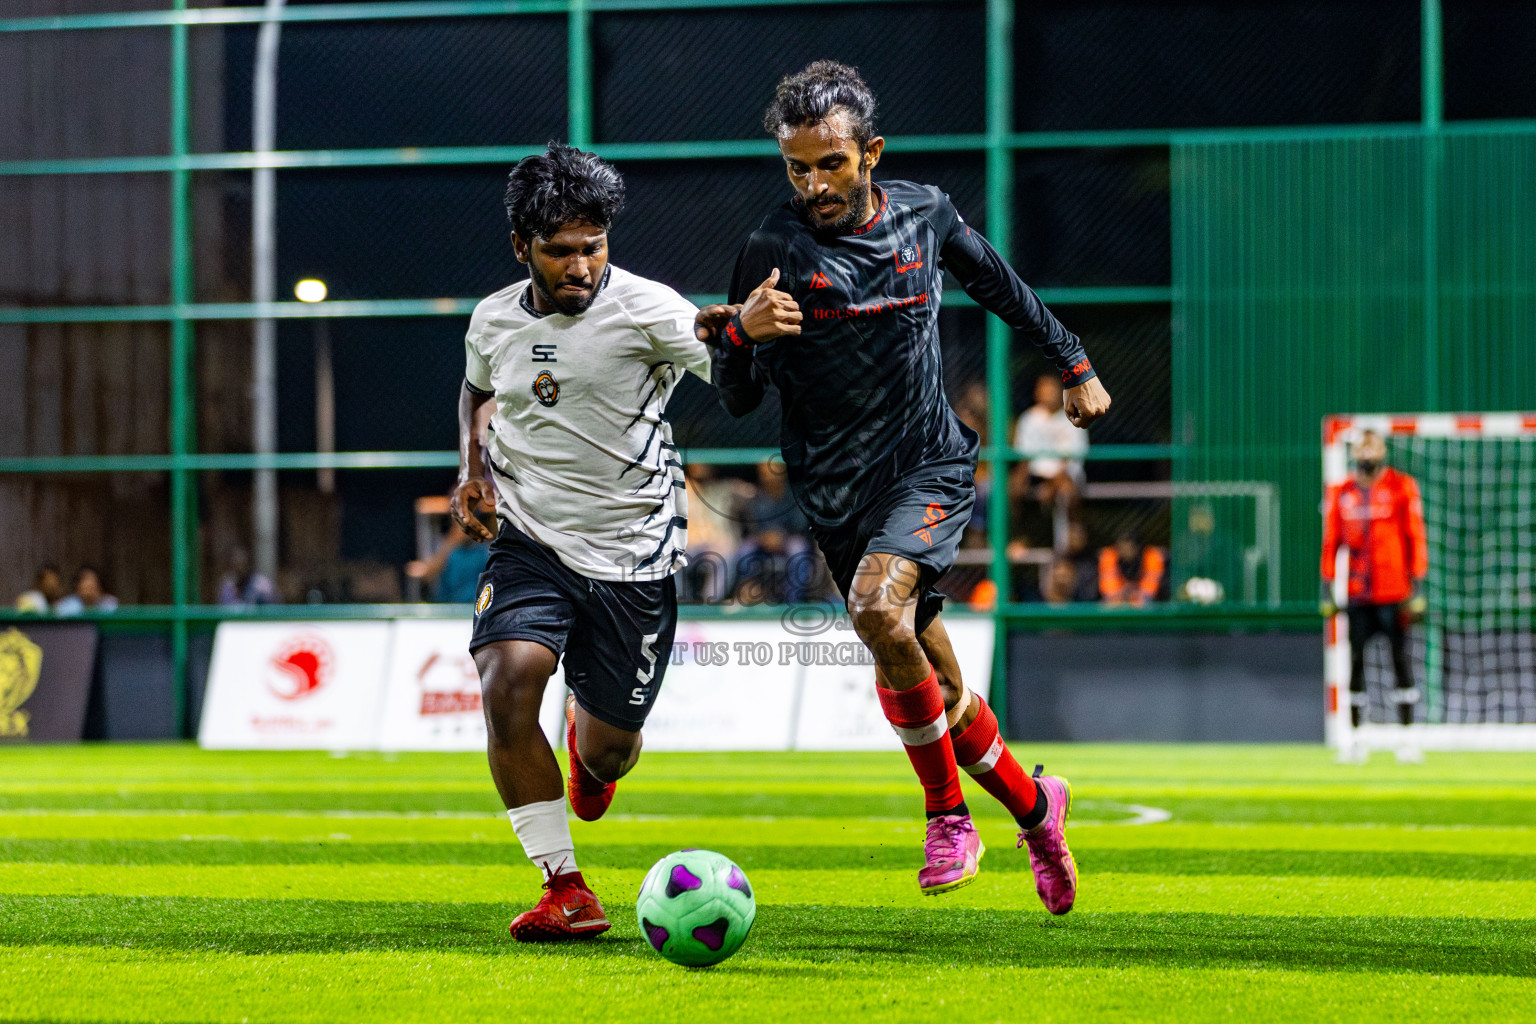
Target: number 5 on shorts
647,648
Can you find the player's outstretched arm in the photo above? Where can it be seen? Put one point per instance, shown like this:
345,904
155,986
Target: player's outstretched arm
987,278
472,494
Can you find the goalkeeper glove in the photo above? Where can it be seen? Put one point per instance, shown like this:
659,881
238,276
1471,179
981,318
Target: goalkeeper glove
1417,604
1325,602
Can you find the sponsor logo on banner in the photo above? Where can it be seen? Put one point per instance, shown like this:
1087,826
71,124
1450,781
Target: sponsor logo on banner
301,667
21,664
282,685
450,685
431,692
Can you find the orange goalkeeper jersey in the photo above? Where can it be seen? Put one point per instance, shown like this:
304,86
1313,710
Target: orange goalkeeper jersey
1383,527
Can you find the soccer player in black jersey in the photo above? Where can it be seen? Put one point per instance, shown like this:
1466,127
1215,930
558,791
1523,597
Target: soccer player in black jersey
852,274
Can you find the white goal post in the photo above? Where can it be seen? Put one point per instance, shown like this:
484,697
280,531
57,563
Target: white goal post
1474,653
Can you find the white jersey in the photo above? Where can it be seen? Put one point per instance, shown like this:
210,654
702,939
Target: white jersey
580,448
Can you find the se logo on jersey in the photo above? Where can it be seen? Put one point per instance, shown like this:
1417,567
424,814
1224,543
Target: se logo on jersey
546,389
909,257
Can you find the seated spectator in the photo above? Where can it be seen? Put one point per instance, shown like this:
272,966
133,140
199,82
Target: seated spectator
1073,575
971,406
241,585
775,564
715,513
1131,573
1053,450
454,569
89,596
47,590
1058,583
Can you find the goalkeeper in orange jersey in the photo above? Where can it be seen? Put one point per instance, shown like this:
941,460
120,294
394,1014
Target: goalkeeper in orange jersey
1378,515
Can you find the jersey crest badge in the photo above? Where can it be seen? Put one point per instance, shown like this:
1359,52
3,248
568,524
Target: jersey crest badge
909,257
484,601
546,389
819,280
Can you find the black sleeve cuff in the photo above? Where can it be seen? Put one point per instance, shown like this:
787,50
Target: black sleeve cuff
1078,373
474,390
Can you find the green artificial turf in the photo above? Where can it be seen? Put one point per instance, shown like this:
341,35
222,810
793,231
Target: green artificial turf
164,883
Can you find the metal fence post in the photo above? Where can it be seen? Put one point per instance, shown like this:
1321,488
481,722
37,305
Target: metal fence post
999,335
579,74
183,512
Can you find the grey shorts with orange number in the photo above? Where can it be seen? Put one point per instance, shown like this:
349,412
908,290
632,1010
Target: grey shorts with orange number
919,519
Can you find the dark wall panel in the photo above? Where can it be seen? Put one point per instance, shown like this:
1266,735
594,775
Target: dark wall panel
710,75
1149,64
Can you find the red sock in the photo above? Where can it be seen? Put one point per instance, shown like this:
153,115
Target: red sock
980,751
917,715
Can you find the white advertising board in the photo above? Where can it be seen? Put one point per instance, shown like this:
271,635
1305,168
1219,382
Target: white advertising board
432,694
295,685
412,685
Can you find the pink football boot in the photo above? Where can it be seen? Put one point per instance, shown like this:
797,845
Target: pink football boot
953,850
1055,870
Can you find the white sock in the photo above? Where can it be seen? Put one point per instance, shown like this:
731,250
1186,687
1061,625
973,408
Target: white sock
545,833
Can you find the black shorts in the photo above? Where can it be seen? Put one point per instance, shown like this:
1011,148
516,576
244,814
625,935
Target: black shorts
922,520
616,638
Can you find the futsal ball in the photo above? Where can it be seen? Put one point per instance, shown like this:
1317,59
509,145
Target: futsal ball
695,907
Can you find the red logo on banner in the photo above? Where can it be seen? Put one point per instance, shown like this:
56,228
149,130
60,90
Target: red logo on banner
462,692
303,666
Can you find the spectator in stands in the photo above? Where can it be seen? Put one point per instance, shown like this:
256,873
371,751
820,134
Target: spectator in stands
1052,449
242,585
47,590
971,406
1073,575
716,508
768,569
454,569
89,595
1131,573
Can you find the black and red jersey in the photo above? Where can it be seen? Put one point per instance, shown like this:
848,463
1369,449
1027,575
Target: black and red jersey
862,386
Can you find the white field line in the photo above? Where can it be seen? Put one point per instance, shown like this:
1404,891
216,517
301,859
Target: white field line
1139,814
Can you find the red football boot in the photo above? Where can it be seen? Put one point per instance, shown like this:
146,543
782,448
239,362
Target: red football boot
589,795
567,910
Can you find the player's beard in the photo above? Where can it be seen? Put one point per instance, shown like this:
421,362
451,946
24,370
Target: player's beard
854,216
567,306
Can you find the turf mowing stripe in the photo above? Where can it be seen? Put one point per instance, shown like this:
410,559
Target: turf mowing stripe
437,988
917,936
295,826
1014,890
883,855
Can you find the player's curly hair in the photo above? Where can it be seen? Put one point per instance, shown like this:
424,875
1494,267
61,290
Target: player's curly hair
811,96
561,186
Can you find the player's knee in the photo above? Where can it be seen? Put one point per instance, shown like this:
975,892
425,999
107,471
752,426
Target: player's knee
876,618
612,758
511,683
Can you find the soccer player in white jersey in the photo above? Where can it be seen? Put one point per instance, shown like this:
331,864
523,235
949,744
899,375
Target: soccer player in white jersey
579,360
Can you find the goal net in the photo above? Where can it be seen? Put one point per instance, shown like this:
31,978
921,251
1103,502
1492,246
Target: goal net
1473,654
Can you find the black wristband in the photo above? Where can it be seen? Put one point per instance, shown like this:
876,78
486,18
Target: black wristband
735,336
1077,373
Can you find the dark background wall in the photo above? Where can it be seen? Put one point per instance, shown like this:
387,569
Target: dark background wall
1087,216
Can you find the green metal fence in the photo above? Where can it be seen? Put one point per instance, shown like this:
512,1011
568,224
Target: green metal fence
998,144
1386,274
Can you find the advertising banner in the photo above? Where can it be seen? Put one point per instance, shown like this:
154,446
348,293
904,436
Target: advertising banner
295,685
432,698
45,680
411,685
